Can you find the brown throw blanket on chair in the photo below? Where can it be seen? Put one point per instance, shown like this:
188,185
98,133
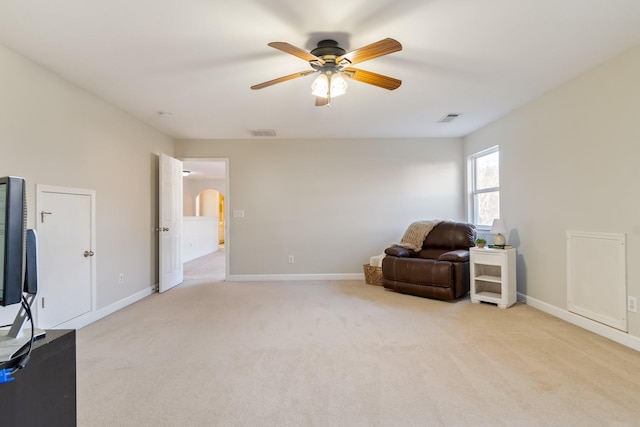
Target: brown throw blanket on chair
416,233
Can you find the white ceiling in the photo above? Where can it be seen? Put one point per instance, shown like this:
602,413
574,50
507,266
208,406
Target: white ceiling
196,59
204,168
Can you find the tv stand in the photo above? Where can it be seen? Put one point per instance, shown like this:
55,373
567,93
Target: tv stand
44,392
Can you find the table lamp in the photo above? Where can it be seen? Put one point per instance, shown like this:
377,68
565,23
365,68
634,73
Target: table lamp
500,228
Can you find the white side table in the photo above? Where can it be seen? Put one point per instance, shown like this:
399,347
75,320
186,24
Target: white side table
493,276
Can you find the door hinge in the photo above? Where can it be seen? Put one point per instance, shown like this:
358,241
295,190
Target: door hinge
42,301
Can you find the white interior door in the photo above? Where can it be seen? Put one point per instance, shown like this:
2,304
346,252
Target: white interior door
65,255
170,224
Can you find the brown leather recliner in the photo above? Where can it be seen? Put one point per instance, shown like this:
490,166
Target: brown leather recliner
439,271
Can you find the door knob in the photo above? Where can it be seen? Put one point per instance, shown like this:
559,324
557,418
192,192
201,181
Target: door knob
165,229
88,253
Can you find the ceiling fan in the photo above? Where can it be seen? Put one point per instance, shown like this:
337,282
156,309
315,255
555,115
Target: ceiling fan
332,63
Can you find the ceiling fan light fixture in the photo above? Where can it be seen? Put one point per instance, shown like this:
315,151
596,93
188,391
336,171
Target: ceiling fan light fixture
320,86
329,85
338,85
333,63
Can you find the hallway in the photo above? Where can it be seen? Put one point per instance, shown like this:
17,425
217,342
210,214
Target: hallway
206,269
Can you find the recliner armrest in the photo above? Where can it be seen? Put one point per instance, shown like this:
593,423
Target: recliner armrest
401,252
459,255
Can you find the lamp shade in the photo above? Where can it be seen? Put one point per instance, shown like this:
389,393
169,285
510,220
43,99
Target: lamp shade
500,229
338,85
320,86
329,85
499,226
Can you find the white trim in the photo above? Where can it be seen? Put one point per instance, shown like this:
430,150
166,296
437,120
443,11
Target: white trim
292,277
471,184
94,316
64,190
590,325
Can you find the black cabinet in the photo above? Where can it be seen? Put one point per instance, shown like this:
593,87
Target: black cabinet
44,392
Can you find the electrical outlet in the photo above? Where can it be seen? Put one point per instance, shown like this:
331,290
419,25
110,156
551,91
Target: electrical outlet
121,278
632,304
291,259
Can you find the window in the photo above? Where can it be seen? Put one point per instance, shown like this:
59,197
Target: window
485,187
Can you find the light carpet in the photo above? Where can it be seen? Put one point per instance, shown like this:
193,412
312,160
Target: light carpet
329,353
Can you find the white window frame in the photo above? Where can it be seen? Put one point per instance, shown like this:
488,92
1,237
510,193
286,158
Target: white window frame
473,208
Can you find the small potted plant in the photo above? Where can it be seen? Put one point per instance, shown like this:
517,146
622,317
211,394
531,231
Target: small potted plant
480,242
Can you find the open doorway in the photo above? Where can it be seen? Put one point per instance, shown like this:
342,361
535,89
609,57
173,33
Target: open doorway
210,203
206,192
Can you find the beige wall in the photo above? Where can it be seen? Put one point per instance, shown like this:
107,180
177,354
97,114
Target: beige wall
332,204
54,133
569,161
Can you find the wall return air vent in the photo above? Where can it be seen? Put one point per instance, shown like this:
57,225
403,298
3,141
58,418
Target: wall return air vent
263,132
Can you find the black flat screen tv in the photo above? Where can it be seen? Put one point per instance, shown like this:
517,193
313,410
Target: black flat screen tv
12,239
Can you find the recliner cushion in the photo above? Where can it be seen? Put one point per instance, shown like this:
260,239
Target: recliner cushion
399,251
460,255
451,235
419,271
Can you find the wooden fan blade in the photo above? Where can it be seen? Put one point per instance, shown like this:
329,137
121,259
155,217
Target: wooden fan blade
295,51
379,80
321,101
373,50
282,79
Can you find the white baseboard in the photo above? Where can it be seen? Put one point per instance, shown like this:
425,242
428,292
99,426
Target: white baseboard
88,318
590,325
292,277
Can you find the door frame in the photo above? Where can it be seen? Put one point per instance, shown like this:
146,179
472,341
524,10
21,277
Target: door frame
227,204
42,188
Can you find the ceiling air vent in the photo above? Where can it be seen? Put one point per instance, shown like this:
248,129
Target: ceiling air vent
448,118
263,132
